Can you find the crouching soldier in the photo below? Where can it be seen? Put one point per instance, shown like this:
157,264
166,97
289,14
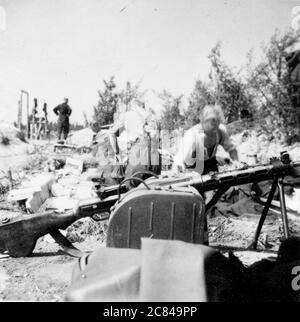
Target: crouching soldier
142,145
63,111
200,143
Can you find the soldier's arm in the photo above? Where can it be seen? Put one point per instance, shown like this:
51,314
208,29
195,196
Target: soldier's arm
56,109
114,132
227,143
69,111
234,155
186,152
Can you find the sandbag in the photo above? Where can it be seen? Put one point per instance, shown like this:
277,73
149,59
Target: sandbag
162,270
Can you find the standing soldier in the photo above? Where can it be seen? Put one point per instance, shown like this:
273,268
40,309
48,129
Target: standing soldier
142,154
63,111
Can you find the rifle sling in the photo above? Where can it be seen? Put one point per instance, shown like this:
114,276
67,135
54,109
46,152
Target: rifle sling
66,245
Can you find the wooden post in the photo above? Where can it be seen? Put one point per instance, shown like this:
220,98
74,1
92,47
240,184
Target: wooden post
20,112
27,111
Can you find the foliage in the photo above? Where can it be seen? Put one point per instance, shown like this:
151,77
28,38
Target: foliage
107,104
86,121
21,135
5,140
261,91
270,80
131,94
230,92
110,101
171,118
202,95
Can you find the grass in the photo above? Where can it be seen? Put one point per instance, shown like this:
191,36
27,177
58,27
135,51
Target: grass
5,140
85,227
21,136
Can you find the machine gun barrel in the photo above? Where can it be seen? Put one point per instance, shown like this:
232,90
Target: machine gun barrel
249,175
214,181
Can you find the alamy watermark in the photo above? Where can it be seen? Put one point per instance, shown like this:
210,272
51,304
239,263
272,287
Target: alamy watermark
162,140
296,280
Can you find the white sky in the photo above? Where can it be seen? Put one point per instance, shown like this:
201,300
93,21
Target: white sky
65,48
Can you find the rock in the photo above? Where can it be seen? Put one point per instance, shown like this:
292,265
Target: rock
59,190
91,173
30,149
9,131
75,237
81,138
34,203
3,278
293,201
103,149
59,204
4,185
84,190
74,166
48,239
35,192
90,162
21,194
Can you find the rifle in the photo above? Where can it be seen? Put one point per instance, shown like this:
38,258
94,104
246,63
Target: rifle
19,236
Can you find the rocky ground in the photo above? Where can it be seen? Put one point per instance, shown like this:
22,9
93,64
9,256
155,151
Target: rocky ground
46,275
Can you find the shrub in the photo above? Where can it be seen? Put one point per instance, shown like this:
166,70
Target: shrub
5,140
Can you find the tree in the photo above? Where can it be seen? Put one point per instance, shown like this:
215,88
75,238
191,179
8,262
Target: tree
86,121
171,118
202,95
270,80
231,92
131,93
107,104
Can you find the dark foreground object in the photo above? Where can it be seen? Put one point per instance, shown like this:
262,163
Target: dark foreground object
177,271
276,280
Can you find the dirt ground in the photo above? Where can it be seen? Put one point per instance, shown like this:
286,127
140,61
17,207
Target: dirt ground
46,275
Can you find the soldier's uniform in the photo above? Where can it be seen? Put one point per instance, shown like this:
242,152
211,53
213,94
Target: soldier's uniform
195,156
142,146
63,111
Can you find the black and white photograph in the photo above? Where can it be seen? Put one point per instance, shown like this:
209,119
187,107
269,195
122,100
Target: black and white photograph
149,153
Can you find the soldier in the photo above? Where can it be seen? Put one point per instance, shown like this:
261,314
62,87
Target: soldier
141,142
200,143
63,111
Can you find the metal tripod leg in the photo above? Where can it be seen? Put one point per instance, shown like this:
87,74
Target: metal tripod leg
283,209
264,214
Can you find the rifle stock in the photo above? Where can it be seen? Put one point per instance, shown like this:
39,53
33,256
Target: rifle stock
20,234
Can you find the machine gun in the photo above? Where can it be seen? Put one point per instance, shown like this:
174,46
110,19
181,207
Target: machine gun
276,170
19,236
